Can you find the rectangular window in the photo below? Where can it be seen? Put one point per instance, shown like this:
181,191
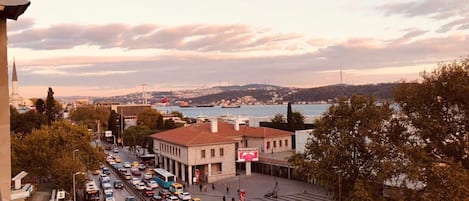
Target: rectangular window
275,144
212,152
221,152
280,143
286,143
268,145
202,153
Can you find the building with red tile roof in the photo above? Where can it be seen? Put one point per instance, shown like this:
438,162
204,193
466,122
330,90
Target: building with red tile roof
207,151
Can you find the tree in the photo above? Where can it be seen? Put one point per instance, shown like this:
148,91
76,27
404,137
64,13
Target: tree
351,144
137,135
290,117
436,111
52,109
25,123
47,152
90,115
40,106
113,122
278,119
148,118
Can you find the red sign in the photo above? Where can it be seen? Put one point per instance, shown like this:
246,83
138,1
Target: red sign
197,174
248,154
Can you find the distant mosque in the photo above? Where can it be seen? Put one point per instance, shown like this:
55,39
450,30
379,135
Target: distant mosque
22,105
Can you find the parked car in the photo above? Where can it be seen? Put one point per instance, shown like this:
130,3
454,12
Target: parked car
135,164
195,199
134,181
156,198
136,172
116,150
106,171
128,176
172,198
130,198
96,172
141,167
140,186
127,164
164,193
147,176
151,183
118,184
184,196
147,191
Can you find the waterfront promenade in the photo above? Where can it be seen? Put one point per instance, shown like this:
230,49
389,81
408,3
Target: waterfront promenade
256,186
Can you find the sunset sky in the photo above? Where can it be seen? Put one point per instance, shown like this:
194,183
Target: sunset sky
104,47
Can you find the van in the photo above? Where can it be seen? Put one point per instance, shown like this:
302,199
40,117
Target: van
176,188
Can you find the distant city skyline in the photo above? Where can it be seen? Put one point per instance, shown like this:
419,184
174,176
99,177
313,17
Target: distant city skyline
106,48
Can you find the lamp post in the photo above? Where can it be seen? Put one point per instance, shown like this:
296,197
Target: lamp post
74,153
73,178
339,171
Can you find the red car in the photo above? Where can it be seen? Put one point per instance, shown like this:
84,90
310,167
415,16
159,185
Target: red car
148,192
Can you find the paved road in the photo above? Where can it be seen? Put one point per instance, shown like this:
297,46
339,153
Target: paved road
257,185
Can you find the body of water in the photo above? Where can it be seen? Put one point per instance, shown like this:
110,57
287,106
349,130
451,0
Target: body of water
247,110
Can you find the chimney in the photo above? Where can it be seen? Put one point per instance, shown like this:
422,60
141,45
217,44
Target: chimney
236,125
213,125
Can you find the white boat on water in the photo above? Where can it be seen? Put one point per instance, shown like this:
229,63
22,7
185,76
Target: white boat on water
231,106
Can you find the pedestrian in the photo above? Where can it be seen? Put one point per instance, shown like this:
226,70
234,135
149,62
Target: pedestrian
232,199
213,186
224,199
200,186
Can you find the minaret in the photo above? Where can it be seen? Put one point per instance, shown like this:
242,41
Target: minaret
15,98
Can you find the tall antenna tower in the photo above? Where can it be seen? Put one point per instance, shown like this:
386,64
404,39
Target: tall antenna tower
144,94
341,83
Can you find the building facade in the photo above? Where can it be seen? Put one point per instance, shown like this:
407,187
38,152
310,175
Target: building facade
206,152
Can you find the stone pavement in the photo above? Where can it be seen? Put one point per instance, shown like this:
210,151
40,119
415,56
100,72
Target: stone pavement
256,186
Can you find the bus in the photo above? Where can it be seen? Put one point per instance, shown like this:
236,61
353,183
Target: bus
91,191
163,177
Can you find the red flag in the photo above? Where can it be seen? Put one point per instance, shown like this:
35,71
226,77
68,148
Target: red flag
165,100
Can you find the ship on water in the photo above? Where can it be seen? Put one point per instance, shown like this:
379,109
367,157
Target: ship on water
231,106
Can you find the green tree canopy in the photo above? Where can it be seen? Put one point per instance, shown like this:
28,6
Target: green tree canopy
148,118
137,135
90,115
25,123
48,152
350,146
436,111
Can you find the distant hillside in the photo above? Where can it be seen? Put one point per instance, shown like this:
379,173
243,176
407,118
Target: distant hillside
380,91
263,94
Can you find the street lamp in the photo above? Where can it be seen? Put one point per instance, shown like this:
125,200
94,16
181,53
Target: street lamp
73,178
74,153
339,171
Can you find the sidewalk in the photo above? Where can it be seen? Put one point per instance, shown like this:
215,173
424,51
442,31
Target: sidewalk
255,186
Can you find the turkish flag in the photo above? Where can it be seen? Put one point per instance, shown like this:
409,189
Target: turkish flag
165,100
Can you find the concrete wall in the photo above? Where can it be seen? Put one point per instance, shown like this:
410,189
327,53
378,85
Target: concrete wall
301,139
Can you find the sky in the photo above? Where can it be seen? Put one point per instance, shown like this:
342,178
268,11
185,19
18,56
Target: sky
108,48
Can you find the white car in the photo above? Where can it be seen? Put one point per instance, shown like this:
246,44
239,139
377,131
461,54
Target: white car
140,186
185,196
147,176
152,184
134,181
172,198
126,164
